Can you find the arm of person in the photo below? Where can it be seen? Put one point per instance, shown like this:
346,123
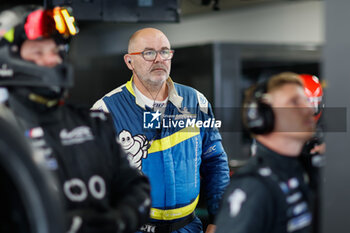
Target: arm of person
214,168
215,176
100,105
246,207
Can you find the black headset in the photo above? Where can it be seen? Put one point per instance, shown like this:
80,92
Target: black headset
257,114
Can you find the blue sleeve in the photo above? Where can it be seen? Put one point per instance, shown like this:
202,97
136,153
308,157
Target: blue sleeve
214,167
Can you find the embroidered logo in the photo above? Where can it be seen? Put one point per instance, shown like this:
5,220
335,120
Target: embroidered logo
135,146
148,228
76,136
5,71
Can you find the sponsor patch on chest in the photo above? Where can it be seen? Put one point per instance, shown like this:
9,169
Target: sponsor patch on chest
77,135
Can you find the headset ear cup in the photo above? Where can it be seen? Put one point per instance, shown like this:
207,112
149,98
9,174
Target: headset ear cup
268,117
259,118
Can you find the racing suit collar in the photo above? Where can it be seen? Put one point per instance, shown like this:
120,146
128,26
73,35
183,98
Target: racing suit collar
172,94
280,162
33,113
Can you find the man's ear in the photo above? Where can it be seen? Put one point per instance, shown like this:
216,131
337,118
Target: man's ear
128,61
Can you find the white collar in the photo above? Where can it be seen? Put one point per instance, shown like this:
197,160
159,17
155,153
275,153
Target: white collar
172,94
147,101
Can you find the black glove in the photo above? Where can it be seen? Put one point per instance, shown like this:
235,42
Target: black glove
90,221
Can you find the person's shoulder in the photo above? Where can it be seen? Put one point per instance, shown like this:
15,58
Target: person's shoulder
252,175
192,95
115,91
101,105
248,182
184,89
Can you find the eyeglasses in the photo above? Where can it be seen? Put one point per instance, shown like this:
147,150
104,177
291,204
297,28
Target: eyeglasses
151,55
45,22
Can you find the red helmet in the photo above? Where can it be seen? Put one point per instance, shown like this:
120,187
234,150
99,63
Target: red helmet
313,90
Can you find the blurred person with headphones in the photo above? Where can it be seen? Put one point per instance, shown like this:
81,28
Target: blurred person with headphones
271,193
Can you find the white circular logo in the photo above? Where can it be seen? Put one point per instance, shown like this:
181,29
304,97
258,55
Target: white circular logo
94,183
78,185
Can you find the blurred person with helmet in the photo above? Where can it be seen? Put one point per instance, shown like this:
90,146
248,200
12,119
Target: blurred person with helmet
102,192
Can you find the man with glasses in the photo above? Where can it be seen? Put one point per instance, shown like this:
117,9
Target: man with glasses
173,157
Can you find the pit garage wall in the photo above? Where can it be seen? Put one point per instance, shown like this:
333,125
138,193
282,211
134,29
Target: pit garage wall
287,22
336,200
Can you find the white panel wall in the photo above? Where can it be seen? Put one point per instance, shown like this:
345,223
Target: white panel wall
281,23
289,22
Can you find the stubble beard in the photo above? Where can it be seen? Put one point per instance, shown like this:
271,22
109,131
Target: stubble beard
153,84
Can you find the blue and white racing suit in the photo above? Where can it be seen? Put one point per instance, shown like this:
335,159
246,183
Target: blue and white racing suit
173,157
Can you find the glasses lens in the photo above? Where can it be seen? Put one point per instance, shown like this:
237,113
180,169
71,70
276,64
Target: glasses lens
149,55
166,54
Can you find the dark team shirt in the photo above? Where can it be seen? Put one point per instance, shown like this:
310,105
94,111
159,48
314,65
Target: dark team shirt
268,195
80,148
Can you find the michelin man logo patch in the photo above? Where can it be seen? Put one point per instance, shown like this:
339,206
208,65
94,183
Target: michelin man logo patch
151,120
135,146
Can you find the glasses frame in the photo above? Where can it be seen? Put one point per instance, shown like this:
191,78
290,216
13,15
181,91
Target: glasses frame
157,52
